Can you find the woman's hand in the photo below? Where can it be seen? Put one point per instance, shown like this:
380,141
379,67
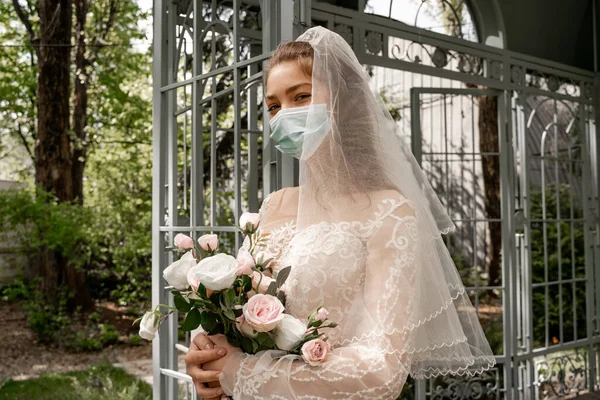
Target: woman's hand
220,342
202,351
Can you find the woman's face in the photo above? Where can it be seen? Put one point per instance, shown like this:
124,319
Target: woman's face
287,87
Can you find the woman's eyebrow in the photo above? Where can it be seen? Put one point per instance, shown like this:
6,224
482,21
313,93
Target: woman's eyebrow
288,90
299,85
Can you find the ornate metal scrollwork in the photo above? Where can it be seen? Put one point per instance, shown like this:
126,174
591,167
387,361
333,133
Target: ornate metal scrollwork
562,375
496,70
438,57
517,75
479,387
374,42
346,32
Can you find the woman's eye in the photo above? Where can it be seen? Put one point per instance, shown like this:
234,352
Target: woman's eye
303,97
273,108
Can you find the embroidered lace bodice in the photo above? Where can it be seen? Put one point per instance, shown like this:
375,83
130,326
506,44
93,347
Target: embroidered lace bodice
358,270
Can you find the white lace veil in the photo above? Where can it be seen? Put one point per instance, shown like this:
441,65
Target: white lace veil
363,154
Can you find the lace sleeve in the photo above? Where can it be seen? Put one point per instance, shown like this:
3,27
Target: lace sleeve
371,360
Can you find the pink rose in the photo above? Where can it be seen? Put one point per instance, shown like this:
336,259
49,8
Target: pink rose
315,351
183,242
209,242
264,282
249,222
245,263
322,314
263,312
245,327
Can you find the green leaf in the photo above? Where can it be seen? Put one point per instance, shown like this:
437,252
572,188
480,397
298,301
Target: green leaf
262,337
202,291
265,341
281,296
247,283
233,341
216,298
247,345
229,313
282,275
272,289
209,320
192,320
229,297
316,323
182,305
218,329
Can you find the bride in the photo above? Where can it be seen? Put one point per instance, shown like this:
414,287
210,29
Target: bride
362,233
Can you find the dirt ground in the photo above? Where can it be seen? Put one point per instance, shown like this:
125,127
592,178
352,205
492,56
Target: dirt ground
22,357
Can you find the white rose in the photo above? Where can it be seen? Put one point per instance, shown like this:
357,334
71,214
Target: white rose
289,332
249,222
217,272
176,273
149,325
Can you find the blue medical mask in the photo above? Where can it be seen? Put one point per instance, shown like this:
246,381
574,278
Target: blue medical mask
292,128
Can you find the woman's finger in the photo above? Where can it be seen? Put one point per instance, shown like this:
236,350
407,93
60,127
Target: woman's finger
208,393
199,357
203,342
200,375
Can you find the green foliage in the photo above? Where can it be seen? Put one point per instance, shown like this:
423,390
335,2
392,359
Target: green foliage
109,334
17,290
49,322
136,340
54,325
82,343
117,177
100,382
41,221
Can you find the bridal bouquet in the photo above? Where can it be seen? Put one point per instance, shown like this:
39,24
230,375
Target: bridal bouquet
239,297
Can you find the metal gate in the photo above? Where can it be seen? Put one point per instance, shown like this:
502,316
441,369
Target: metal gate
524,194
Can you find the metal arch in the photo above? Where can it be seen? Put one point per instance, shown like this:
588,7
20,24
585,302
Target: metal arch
563,102
488,21
518,376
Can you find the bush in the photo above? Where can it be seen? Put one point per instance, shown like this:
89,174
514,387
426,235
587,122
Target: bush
109,334
49,322
41,221
110,240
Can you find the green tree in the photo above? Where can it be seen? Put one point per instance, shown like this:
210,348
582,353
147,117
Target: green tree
65,87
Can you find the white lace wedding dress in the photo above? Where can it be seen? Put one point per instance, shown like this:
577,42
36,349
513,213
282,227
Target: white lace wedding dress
363,271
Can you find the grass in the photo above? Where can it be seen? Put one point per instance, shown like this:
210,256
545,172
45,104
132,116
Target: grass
100,382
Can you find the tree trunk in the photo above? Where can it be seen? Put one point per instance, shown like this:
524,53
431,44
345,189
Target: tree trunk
80,103
53,157
488,143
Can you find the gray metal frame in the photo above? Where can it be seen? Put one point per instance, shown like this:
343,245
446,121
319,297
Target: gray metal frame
184,96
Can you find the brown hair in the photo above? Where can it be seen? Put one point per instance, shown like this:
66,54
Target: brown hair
301,52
